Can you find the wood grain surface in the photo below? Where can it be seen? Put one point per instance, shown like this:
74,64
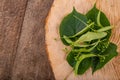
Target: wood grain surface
22,45
60,8
11,18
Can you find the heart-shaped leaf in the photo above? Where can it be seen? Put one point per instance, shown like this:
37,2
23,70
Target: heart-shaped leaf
72,24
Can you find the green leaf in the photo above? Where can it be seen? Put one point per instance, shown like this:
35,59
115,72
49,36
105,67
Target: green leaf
72,24
71,58
83,45
109,53
81,58
98,17
89,36
68,41
86,49
84,65
104,29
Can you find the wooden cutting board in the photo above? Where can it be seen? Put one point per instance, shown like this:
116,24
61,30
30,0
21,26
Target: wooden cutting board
60,8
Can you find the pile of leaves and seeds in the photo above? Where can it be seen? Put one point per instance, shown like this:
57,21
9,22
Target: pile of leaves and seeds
88,36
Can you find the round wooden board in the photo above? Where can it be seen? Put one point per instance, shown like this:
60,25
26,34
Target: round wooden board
61,69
